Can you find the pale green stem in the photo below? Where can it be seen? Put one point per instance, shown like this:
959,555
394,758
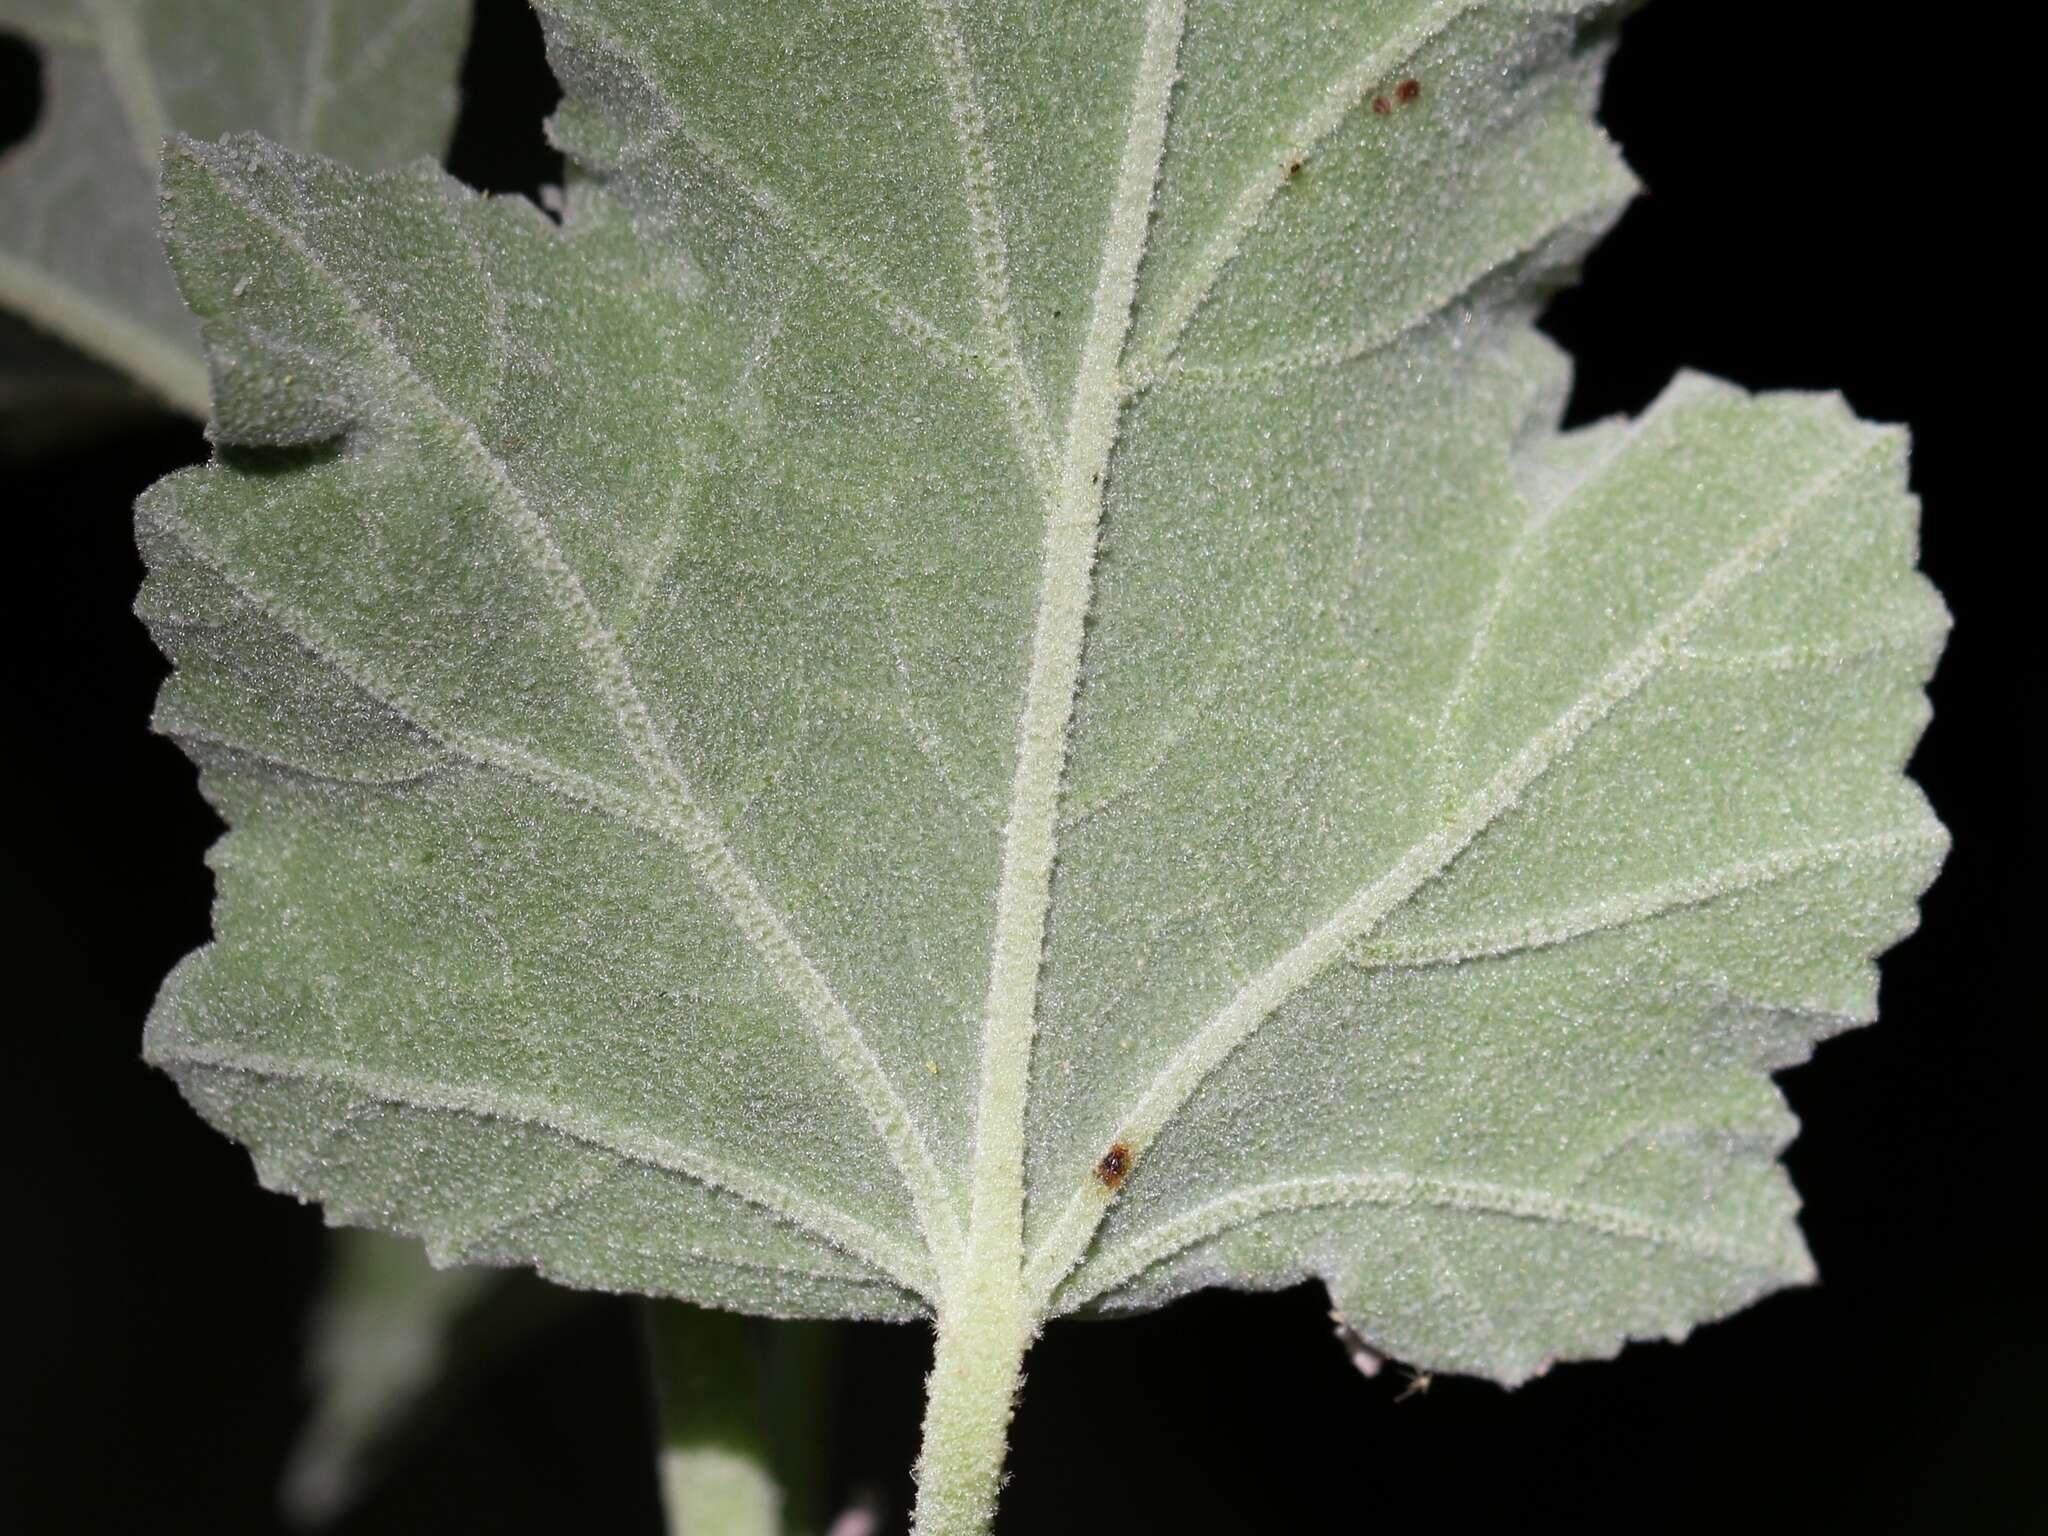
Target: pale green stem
977,1367
730,1392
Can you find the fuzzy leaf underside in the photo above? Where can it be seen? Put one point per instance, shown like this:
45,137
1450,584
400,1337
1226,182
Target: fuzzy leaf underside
371,82
608,644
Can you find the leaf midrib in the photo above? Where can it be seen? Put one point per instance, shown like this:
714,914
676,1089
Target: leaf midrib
1072,516
1104,385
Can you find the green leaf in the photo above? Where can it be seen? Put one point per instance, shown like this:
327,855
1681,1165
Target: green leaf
987,687
369,81
742,1420
382,1334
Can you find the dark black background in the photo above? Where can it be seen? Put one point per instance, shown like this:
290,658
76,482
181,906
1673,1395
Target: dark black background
1815,221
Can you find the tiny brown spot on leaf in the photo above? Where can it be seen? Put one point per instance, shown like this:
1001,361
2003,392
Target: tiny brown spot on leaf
1293,169
1407,91
1381,106
1115,1166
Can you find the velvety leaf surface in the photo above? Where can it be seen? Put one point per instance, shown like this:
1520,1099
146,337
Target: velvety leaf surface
994,648
369,81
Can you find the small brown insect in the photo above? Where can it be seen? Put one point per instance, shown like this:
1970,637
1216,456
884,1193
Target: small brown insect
1407,91
1381,106
1115,1166
1293,169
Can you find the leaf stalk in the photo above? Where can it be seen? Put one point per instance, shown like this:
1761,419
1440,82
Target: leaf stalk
971,1396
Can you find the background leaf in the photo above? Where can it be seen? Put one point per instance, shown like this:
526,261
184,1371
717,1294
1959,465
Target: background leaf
743,1421
391,1338
78,249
